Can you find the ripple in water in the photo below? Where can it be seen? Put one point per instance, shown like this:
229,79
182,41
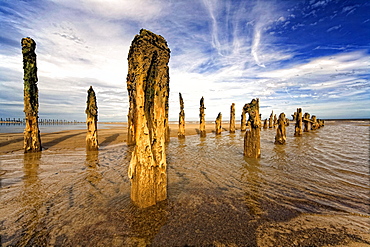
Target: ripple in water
216,196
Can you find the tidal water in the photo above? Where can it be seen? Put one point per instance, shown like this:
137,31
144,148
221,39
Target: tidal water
216,197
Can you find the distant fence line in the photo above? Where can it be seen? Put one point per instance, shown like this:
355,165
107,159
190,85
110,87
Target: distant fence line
22,121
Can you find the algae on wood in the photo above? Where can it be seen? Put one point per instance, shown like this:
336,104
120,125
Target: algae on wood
232,118
32,140
252,138
280,137
91,121
202,121
148,89
181,133
218,124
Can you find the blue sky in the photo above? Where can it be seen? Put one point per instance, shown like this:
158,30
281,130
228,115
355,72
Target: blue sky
312,54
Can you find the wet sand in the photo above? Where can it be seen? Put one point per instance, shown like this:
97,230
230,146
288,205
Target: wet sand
75,139
69,198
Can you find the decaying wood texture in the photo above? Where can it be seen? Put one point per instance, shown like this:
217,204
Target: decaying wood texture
271,120
252,138
232,118
280,137
202,121
243,121
298,125
32,140
91,121
148,89
181,133
218,124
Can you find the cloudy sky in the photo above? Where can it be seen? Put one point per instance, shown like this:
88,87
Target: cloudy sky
313,54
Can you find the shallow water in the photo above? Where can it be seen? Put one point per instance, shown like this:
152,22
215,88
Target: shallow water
215,195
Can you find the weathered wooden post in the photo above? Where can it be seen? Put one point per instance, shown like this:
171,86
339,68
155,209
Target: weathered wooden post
243,121
275,121
306,122
32,140
202,121
148,89
271,120
91,121
232,118
280,137
298,125
265,124
218,124
252,138
315,125
294,116
181,133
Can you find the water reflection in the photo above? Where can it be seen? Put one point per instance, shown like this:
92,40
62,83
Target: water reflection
253,186
92,163
32,198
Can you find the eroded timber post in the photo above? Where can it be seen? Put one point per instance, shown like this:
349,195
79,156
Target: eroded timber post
202,121
271,120
181,133
252,138
218,124
32,140
243,121
91,121
148,87
232,118
298,125
280,137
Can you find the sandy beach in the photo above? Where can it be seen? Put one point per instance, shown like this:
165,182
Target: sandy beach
74,139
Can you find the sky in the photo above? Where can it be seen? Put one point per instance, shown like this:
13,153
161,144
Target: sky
309,54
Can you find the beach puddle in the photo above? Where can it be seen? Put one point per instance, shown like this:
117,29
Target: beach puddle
313,191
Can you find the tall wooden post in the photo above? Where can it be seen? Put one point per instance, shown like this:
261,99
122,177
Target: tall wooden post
91,121
202,121
232,118
148,89
218,124
298,125
181,133
252,138
280,137
32,140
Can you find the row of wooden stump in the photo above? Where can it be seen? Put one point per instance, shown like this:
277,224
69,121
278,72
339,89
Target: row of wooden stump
148,129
